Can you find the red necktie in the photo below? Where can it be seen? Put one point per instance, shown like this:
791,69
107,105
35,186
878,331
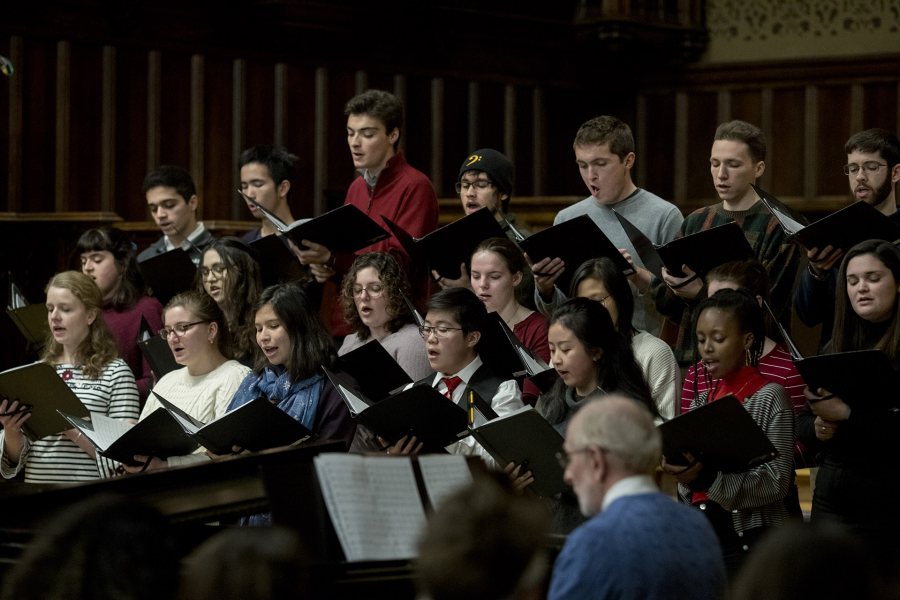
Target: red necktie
452,383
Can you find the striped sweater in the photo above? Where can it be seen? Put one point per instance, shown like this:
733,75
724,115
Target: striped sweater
56,459
756,497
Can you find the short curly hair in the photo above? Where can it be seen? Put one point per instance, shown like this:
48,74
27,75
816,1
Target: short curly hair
396,290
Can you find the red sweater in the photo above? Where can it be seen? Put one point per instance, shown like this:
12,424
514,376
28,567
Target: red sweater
406,197
532,333
125,326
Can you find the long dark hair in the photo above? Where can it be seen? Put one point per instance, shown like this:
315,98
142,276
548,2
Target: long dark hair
617,369
129,286
606,271
850,330
311,345
242,288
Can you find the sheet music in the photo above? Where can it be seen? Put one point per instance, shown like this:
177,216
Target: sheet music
790,225
106,429
443,475
16,297
373,503
533,364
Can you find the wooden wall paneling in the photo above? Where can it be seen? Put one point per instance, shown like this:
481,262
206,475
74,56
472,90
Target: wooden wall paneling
279,104
766,124
509,123
856,106
239,119
436,133
833,127
217,145
399,87
263,97
197,128
320,144
83,191
108,131
491,105
723,105
656,165
810,140
341,87
181,114
455,134
681,148
155,109
786,151
299,136
360,82
473,137
63,125
132,131
881,106
538,142
418,121
522,148
702,122
14,94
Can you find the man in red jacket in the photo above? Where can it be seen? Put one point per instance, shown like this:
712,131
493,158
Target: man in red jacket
388,187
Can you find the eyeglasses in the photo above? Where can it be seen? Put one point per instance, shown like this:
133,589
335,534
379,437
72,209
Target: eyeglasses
217,269
441,331
179,330
869,166
374,290
564,457
481,184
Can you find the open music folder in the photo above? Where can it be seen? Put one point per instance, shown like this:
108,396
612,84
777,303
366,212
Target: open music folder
156,350
376,372
702,251
526,438
30,319
421,411
345,228
574,241
722,435
841,229
38,386
446,248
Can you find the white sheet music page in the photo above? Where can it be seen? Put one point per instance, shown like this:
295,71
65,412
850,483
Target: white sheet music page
106,429
373,503
443,475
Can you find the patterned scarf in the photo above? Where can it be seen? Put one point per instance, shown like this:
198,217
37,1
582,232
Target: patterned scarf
299,399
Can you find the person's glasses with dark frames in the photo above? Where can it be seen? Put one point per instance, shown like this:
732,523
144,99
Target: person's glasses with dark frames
440,331
870,166
480,184
374,290
179,329
217,269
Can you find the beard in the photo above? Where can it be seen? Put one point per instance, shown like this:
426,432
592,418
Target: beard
880,194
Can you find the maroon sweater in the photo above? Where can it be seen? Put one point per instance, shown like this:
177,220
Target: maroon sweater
125,326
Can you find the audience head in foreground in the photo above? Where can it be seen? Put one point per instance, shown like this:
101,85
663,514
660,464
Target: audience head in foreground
638,543
484,542
104,547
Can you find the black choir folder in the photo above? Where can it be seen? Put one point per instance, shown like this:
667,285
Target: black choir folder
702,251
722,435
841,229
159,435
344,228
30,319
376,373
277,263
156,350
446,248
168,274
525,438
42,390
574,241
856,377
256,425
169,431
500,349
421,411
